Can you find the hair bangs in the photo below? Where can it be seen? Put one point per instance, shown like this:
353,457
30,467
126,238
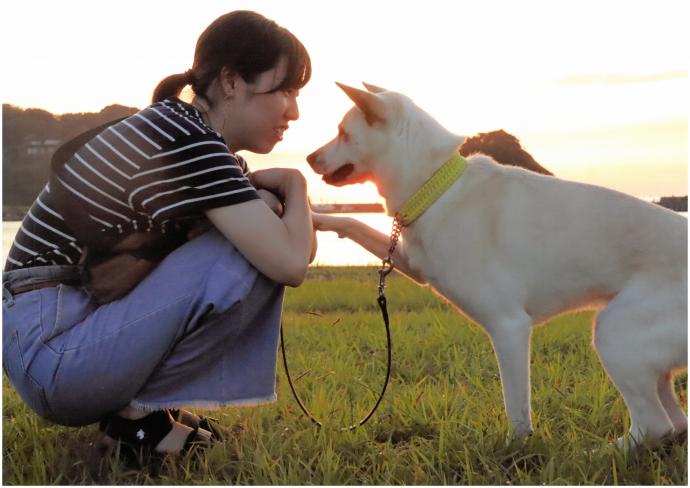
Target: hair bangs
298,71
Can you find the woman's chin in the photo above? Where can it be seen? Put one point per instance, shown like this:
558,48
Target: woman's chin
260,145
263,148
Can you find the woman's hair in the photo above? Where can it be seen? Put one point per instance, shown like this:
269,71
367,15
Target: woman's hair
246,43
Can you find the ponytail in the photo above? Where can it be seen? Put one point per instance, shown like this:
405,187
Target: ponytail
246,43
172,86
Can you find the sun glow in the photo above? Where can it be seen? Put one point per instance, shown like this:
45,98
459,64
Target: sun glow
596,91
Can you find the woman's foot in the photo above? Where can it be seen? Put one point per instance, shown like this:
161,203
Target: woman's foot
155,431
179,438
191,420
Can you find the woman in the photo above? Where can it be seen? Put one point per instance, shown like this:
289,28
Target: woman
201,329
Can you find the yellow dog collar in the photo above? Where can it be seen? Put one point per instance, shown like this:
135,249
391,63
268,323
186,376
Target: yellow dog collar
432,190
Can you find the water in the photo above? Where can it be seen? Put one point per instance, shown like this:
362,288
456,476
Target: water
332,251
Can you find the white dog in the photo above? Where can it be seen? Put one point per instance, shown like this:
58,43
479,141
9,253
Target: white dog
511,249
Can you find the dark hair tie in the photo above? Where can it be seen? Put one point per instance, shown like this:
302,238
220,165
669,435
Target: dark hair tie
189,76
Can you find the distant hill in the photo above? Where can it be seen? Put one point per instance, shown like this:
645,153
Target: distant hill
678,204
30,137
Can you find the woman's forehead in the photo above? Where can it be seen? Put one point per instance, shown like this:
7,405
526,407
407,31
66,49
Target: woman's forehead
269,80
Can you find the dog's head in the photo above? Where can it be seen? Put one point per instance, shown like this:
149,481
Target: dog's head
384,138
384,134
361,137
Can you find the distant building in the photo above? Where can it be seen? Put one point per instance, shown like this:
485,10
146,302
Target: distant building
40,147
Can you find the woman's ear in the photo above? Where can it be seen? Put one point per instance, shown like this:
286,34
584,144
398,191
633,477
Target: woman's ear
228,82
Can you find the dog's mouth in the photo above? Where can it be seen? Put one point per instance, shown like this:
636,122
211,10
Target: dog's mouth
340,174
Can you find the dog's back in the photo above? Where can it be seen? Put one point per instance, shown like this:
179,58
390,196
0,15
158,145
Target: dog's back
592,241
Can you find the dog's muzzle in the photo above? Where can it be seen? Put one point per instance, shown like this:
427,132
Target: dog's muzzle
312,159
337,177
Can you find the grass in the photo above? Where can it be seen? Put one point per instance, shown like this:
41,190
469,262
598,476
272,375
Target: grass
441,422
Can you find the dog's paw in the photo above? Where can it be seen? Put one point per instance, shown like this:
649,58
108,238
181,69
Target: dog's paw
522,432
518,437
628,445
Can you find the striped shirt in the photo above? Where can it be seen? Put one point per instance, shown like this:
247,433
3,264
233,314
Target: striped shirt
147,172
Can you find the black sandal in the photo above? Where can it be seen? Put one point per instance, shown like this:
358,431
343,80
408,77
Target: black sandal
198,421
138,438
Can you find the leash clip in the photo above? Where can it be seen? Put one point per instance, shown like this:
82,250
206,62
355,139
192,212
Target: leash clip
387,266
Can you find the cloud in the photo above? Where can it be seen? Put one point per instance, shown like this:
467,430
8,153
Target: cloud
621,78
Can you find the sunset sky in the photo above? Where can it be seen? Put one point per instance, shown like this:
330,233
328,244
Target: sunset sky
596,91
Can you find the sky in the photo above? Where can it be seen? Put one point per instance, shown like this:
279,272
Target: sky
597,91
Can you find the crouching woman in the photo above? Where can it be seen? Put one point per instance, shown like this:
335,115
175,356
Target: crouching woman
201,329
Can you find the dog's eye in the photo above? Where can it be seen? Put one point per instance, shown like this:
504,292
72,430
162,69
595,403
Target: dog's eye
343,135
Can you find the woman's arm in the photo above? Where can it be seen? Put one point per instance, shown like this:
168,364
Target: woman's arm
277,247
314,246
277,207
370,239
204,225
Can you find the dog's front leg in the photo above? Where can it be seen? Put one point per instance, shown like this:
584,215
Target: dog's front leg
370,239
511,341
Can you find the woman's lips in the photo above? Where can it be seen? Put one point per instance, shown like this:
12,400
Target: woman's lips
279,131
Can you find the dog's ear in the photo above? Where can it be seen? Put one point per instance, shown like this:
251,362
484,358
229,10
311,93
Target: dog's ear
373,88
367,102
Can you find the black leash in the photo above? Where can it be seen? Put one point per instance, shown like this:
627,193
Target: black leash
386,267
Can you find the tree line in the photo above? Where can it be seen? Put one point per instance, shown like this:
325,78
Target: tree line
29,138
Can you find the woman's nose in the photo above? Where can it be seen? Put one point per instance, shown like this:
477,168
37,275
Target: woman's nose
292,111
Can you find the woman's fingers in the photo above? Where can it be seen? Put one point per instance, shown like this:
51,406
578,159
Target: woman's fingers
272,201
277,180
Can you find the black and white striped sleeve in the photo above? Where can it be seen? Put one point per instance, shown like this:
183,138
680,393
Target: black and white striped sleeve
243,164
196,174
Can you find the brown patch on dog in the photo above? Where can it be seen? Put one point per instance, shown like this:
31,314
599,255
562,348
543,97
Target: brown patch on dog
505,148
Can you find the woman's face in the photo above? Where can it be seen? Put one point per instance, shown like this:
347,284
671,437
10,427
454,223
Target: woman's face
256,117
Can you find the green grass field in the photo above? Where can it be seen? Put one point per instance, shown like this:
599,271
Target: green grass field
441,422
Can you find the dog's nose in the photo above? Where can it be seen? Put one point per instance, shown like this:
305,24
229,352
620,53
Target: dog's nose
311,159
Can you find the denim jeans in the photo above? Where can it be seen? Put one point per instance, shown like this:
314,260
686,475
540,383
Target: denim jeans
200,330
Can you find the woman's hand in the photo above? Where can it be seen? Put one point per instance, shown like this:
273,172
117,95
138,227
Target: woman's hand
280,181
272,201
